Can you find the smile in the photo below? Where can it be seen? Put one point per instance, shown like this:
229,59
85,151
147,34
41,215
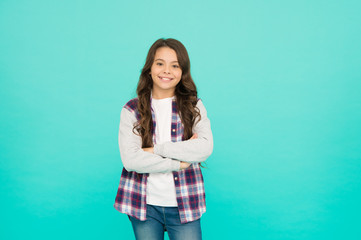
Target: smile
165,79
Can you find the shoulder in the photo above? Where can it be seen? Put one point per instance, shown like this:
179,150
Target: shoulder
132,105
201,108
200,104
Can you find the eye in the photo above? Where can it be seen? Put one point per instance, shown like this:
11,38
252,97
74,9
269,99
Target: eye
159,63
175,66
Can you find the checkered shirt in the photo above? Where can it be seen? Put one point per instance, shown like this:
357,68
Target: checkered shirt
131,195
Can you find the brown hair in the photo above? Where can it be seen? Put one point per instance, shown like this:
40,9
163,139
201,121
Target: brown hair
185,93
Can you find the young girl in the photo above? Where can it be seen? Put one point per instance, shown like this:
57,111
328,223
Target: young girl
164,135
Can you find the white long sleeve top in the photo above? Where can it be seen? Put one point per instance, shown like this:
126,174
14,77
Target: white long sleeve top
167,156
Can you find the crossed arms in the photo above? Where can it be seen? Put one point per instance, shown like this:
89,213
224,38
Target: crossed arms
166,157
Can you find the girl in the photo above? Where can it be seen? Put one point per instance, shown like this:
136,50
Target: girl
164,135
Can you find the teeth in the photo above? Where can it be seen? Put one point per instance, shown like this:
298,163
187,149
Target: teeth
165,78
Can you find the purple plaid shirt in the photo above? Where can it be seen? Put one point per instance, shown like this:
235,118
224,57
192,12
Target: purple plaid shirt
131,196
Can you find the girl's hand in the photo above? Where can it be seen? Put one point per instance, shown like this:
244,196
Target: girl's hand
150,150
184,165
195,135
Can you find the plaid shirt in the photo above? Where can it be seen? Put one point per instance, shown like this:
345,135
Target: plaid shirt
131,196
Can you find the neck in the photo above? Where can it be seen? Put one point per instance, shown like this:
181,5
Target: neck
162,94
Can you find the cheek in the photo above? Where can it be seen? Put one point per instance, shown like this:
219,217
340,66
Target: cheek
152,75
154,71
179,74
179,78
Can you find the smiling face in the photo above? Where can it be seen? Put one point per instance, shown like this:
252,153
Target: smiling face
166,73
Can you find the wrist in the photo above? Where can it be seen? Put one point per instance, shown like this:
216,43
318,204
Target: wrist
150,149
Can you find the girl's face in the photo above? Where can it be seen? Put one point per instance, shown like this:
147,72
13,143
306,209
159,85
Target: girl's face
166,72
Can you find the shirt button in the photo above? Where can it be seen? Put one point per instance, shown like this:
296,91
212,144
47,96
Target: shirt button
175,178
173,130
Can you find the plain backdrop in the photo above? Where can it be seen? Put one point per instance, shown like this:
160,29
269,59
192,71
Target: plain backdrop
281,81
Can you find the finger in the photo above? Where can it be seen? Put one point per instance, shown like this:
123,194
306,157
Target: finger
194,136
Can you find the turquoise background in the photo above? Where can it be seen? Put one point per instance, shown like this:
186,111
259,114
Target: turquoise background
281,81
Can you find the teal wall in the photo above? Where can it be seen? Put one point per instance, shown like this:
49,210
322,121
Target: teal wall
281,81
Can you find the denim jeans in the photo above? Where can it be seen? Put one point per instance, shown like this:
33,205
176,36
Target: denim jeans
161,219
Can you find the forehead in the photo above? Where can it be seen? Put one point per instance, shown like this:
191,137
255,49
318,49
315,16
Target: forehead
166,54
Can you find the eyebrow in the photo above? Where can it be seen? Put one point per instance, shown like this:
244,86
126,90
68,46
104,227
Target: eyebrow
164,61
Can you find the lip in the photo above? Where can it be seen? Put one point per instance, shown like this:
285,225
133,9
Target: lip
165,79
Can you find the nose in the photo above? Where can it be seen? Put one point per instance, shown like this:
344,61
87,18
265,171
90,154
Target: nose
166,69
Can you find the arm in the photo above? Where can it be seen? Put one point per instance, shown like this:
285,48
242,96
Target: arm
193,150
132,155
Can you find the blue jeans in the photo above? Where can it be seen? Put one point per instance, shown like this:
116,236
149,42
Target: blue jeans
161,219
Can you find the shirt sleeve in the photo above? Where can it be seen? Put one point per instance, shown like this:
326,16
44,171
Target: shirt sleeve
195,150
133,157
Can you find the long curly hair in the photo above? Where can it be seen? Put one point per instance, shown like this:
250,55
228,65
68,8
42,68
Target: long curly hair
185,93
